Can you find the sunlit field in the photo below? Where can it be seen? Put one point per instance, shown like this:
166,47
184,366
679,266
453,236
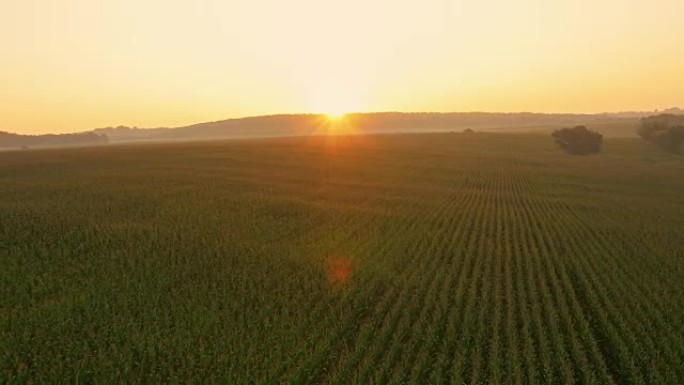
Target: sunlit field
388,259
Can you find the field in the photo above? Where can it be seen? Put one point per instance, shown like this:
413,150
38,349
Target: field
434,258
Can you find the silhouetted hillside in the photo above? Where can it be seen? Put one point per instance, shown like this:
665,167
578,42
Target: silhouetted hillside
608,124
385,122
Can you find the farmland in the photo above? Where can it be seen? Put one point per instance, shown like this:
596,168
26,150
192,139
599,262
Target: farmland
433,258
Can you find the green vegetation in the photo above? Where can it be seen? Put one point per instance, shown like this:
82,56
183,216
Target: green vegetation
435,258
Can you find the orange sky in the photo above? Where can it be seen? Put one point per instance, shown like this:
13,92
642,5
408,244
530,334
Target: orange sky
72,65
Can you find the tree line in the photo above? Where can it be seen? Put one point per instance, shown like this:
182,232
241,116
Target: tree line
9,140
665,131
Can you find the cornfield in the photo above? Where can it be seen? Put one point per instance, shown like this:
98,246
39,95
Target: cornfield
434,258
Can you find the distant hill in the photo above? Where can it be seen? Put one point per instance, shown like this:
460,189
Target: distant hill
610,124
368,123
9,140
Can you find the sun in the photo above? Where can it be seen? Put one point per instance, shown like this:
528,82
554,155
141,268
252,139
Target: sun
336,122
335,115
333,100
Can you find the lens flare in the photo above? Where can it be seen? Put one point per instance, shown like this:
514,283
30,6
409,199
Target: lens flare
338,270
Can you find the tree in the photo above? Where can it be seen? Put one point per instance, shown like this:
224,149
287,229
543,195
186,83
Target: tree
664,130
670,139
578,140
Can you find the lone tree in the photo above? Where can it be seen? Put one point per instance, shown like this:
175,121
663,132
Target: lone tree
578,140
664,130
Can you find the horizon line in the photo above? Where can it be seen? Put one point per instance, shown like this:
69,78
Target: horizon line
292,114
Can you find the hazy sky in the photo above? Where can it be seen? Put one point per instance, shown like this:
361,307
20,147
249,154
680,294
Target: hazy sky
70,65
